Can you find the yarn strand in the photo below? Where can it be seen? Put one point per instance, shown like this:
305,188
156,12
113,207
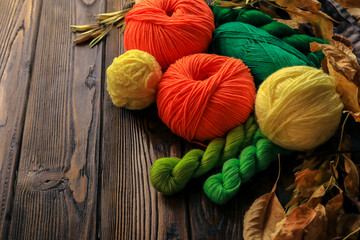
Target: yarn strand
221,187
170,175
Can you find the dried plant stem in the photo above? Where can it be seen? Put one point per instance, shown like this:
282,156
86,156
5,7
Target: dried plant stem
352,233
105,23
341,138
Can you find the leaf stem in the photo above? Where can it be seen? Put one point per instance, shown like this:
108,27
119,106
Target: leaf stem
352,233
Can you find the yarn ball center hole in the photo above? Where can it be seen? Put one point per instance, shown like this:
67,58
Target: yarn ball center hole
202,76
169,12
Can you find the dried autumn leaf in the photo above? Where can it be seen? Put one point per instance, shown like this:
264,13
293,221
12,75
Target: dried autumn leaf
302,223
332,208
347,224
317,229
344,67
308,181
311,5
291,23
315,198
351,181
349,3
321,22
260,220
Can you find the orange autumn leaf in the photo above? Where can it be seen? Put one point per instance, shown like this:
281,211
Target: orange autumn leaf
308,181
342,64
303,223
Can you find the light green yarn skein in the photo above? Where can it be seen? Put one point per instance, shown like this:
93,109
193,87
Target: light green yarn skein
221,187
170,175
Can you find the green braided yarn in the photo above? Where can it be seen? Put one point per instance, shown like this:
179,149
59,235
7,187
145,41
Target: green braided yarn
170,175
262,52
260,20
221,187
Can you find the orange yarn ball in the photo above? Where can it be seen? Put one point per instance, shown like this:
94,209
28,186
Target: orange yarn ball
169,29
203,96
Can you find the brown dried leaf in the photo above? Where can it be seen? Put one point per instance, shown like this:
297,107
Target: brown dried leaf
349,3
302,223
315,198
291,23
317,229
311,5
347,224
343,66
265,8
260,220
332,208
308,181
351,181
321,22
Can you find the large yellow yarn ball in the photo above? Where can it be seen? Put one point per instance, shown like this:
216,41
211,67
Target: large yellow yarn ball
298,108
132,80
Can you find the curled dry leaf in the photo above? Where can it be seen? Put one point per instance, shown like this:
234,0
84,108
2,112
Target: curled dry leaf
332,208
321,22
311,5
260,220
303,223
317,229
349,3
315,198
351,181
308,181
344,67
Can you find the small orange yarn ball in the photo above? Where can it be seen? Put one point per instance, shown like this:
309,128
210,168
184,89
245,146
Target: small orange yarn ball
169,29
203,96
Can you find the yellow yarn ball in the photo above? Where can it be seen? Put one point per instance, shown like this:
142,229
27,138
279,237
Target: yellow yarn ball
298,108
132,80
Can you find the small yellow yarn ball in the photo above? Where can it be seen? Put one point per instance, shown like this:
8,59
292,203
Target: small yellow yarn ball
298,108
132,80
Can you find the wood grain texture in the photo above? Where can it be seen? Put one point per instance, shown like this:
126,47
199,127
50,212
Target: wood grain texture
213,221
132,140
56,193
18,28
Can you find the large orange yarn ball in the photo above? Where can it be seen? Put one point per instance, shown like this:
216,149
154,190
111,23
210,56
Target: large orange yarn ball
203,96
169,29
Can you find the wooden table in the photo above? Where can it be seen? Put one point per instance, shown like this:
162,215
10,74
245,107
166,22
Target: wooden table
72,165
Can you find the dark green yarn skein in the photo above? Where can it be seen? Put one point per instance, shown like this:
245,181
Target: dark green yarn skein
221,187
170,175
262,52
262,21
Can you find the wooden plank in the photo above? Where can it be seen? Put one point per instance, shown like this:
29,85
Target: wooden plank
18,28
212,221
56,193
132,141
